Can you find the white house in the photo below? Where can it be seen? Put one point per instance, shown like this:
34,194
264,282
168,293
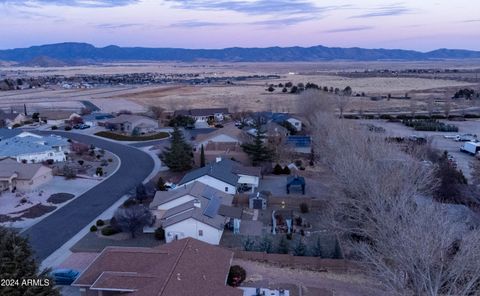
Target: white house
225,175
297,124
32,148
191,210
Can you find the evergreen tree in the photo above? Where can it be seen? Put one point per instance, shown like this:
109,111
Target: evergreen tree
257,150
300,249
202,157
318,248
283,246
179,156
18,263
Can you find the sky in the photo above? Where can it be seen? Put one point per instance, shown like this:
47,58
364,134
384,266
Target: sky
411,24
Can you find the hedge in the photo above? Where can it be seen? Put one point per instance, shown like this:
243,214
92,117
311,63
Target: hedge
119,137
109,230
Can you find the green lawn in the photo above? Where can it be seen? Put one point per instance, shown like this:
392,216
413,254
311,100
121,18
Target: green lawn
119,137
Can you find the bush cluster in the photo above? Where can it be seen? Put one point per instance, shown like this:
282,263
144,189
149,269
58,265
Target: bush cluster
429,125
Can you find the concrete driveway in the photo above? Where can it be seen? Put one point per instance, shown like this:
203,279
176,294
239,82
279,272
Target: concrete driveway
56,229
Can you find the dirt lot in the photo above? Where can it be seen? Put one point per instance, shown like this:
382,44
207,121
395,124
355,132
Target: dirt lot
438,138
242,95
306,283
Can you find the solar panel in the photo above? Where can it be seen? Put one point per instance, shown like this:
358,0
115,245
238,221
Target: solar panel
212,208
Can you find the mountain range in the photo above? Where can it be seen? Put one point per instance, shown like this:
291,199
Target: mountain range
71,53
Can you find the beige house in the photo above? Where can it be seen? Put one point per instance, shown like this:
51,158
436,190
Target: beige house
132,124
57,117
224,142
11,119
22,176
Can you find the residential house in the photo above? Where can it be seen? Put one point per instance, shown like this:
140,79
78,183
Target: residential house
6,133
223,142
275,134
11,119
190,211
280,118
225,175
32,148
21,176
96,118
204,115
132,124
182,268
57,117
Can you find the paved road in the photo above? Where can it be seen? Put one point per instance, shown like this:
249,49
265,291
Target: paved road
56,229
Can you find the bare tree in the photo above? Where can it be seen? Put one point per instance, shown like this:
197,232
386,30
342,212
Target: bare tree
133,218
342,101
447,107
430,105
386,216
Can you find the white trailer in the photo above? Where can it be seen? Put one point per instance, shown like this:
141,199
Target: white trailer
470,147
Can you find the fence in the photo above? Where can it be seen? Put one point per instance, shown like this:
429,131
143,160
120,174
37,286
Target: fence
300,262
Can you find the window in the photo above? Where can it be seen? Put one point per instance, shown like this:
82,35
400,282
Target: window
200,232
226,189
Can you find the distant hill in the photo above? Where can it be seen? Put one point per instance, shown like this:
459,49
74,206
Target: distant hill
44,61
72,52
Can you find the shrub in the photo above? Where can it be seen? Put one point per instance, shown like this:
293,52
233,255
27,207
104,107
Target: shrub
298,163
304,208
109,230
283,246
277,170
298,221
100,222
160,233
300,249
114,224
286,170
289,236
68,128
386,116
93,228
236,276
99,171
81,162
110,160
50,161
54,127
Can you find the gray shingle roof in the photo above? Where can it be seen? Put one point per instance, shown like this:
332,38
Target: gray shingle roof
6,133
210,200
219,170
8,167
195,189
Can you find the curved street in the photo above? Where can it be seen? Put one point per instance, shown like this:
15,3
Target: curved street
53,231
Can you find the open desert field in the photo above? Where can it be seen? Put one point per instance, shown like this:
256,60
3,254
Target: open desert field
250,94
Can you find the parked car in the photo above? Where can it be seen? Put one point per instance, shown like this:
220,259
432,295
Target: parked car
64,276
465,138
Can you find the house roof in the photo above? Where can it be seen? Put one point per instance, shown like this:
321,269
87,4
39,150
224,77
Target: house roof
195,189
210,200
201,112
6,133
229,129
231,212
225,170
9,167
9,116
180,268
27,144
128,118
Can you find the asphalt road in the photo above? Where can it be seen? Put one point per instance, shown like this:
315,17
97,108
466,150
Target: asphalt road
55,230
